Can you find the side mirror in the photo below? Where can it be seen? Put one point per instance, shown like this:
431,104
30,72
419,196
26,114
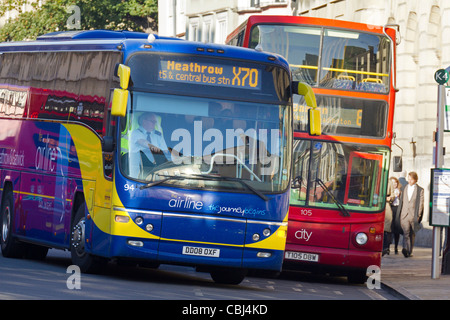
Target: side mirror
120,96
315,126
108,144
119,103
123,72
397,166
314,117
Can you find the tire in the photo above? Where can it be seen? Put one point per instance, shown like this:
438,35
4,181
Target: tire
228,275
84,260
357,277
35,252
11,248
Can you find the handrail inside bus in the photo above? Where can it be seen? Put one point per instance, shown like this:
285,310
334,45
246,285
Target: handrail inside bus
232,156
367,73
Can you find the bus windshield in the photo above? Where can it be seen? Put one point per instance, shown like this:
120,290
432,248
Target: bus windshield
205,143
349,60
351,174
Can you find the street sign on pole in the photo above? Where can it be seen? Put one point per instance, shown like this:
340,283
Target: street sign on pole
441,76
438,162
440,197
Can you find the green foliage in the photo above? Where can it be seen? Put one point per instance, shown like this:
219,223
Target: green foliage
133,15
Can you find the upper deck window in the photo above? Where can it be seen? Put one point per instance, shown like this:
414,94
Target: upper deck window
329,58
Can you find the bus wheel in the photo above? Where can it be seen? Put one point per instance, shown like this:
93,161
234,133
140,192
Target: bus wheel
35,252
81,258
228,275
10,247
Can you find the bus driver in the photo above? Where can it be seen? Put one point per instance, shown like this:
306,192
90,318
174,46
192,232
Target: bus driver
148,142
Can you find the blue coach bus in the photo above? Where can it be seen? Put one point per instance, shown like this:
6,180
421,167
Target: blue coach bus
129,146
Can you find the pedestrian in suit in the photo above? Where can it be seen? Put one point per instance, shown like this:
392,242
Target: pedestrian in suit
411,212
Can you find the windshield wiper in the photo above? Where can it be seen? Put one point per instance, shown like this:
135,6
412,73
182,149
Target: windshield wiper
205,176
155,183
339,204
242,182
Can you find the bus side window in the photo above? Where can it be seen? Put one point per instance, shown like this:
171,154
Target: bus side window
240,39
254,37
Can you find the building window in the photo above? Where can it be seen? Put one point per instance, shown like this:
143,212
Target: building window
221,28
207,29
254,3
193,29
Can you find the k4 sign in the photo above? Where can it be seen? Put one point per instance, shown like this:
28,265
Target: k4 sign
441,76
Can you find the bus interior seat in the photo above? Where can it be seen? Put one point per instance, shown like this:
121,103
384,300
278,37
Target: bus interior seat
371,85
344,82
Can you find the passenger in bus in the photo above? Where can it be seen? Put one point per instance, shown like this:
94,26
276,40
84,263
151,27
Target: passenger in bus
411,212
148,142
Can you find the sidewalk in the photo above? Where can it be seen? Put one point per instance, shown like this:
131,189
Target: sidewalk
411,277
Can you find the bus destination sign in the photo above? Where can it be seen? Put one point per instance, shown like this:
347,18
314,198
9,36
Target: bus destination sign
342,118
212,74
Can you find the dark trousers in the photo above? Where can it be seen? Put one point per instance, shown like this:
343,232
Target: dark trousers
387,239
408,238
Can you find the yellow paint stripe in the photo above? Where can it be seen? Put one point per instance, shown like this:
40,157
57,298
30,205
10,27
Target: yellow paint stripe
34,194
276,241
37,195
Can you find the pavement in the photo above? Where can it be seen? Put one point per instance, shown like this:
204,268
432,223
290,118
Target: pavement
410,278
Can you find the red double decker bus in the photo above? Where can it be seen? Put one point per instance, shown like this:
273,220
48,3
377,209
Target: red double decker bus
340,177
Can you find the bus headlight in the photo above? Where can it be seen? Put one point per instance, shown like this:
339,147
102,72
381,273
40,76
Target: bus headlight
361,238
266,232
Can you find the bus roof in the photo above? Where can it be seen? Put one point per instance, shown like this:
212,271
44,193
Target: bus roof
92,34
317,21
312,21
131,42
